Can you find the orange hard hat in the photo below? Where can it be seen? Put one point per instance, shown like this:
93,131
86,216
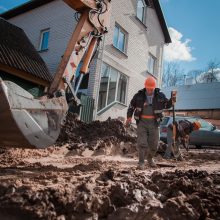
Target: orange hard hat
150,82
196,125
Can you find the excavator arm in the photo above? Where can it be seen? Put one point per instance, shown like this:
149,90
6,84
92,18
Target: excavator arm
93,23
28,122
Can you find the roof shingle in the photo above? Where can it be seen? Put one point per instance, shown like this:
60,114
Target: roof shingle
200,96
17,51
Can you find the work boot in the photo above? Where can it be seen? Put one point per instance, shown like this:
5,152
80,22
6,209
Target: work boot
180,158
151,162
140,167
167,156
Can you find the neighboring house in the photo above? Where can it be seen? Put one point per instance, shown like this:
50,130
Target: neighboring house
197,100
131,50
20,62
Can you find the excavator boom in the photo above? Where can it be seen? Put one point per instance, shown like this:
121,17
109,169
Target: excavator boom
81,5
28,122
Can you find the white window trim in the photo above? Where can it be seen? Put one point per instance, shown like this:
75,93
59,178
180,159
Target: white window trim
41,39
109,106
144,13
116,93
155,64
126,38
106,101
127,81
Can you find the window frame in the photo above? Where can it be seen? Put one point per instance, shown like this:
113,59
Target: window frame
41,39
100,86
108,89
144,11
116,90
120,30
205,125
151,56
126,90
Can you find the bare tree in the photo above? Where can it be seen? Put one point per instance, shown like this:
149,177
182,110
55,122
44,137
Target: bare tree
194,74
210,75
173,75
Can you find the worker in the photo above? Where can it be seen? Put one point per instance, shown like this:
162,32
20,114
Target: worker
183,129
147,106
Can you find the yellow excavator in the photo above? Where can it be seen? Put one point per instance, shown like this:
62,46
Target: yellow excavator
28,122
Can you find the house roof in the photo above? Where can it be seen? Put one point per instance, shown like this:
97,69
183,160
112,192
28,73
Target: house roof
202,96
16,51
37,3
162,21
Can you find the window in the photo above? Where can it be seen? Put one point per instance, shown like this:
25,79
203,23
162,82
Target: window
120,38
122,88
141,9
103,87
152,64
44,40
85,80
113,77
113,87
205,125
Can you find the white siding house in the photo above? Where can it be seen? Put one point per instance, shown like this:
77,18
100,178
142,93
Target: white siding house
131,50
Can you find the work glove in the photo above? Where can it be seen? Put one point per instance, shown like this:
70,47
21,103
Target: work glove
128,122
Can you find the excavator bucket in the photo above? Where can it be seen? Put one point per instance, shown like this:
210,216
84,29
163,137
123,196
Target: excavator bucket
27,122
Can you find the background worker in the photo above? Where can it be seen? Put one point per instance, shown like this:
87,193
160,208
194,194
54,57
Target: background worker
183,129
147,106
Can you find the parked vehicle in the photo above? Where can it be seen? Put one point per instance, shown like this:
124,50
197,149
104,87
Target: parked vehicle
207,135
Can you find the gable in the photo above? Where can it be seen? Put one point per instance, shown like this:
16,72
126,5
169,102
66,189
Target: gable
35,4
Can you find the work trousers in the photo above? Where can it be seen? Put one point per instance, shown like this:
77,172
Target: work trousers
147,139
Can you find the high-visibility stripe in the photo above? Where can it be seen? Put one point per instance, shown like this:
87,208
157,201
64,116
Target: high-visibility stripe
158,111
147,116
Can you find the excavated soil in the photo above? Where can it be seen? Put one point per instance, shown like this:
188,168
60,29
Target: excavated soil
99,137
86,178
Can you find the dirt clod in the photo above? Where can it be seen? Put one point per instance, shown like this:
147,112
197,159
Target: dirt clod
98,179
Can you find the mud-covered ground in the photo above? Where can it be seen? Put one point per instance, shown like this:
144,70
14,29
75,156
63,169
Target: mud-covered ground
79,181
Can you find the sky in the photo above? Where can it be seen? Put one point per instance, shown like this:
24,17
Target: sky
194,26
5,5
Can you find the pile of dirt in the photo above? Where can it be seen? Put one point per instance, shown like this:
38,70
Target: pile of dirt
97,136
186,195
107,194
15,157
53,184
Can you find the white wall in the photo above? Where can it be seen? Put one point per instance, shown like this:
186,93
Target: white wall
141,40
57,16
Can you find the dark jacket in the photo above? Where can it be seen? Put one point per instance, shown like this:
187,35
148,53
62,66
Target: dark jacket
183,128
159,103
